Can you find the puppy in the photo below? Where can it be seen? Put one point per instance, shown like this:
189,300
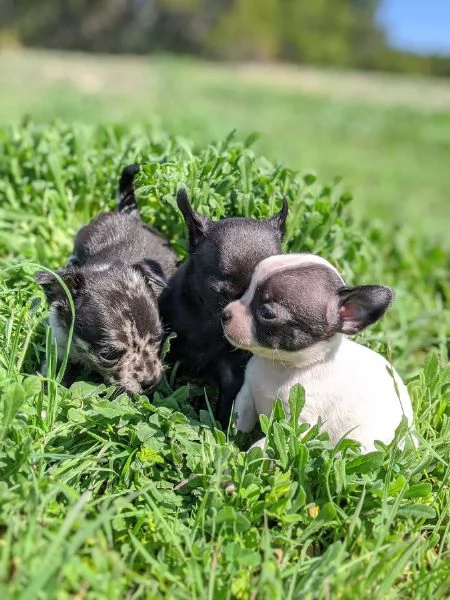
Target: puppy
294,317
222,257
114,276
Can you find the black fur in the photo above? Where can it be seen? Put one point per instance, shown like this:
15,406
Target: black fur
127,198
222,257
300,306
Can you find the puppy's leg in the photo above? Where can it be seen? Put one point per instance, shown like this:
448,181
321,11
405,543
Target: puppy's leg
70,374
230,382
259,444
230,374
246,411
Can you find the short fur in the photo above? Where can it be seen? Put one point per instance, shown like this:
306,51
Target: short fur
114,276
222,257
294,318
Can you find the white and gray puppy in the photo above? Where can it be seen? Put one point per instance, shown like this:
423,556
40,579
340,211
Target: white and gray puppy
114,275
294,317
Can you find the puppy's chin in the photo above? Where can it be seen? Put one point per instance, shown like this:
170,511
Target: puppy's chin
133,386
301,357
241,344
272,354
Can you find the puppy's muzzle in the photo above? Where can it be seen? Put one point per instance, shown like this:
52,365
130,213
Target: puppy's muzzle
237,324
151,379
148,384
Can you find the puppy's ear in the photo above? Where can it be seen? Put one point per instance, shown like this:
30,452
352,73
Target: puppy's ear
55,293
361,306
197,224
279,220
152,272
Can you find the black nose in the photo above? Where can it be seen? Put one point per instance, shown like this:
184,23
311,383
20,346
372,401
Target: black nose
225,316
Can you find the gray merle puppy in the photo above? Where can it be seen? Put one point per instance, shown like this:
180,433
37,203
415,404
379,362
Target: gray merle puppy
115,275
222,257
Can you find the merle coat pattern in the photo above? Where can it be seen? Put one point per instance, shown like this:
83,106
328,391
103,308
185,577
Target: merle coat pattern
114,276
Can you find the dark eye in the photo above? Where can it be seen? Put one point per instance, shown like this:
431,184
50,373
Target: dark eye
264,312
110,355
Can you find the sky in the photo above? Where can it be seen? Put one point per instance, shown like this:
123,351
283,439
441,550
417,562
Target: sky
421,26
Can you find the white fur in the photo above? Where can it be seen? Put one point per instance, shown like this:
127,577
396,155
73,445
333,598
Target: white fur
272,264
60,335
59,332
351,390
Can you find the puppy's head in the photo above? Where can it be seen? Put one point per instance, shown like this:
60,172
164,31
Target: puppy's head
117,329
223,254
295,301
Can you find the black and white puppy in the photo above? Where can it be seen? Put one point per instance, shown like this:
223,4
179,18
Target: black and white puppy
294,318
222,257
114,276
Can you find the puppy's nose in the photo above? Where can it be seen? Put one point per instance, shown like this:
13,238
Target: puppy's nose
225,316
147,384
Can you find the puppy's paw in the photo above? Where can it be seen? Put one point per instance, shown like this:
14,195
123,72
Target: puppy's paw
259,444
43,368
229,487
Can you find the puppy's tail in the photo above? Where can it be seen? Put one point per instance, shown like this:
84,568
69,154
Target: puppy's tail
125,196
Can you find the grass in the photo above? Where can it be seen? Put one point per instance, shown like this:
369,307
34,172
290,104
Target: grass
387,136
104,497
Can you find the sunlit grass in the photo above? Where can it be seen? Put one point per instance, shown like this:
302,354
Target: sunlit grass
386,135
104,497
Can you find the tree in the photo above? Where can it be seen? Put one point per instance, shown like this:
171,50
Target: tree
329,32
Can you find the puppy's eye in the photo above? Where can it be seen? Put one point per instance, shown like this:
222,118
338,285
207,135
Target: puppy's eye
264,312
110,355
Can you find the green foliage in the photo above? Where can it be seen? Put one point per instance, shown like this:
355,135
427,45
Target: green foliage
387,137
112,497
65,175
334,32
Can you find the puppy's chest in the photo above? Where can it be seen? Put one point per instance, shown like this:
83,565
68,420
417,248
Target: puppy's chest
267,381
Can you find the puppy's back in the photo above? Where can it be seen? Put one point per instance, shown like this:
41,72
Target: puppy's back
122,237
356,389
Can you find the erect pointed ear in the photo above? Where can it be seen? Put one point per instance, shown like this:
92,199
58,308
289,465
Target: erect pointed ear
279,220
55,293
197,224
152,272
361,306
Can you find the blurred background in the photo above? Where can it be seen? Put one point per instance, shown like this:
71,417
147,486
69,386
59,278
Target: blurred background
351,88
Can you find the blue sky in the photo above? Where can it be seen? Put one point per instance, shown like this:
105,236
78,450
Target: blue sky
421,26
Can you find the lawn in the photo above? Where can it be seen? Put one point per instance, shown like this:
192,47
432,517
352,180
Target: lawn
387,136
118,497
